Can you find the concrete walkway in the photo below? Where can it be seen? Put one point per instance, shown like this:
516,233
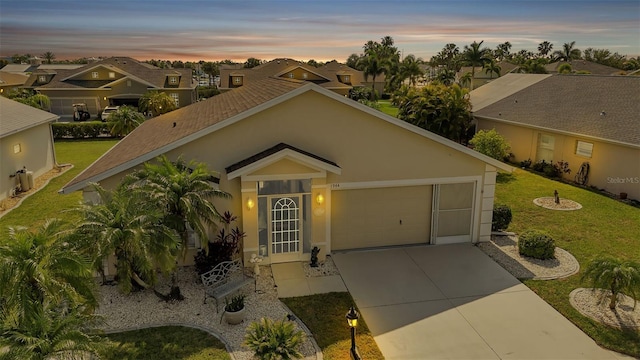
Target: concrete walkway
454,302
291,281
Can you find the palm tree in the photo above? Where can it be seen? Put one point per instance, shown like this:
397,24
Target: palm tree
492,68
49,333
410,68
474,56
211,69
567,53
373,65
128,224
42,267
48,56
156,102
545,48
503,51
185,191
124,120
465,79
616,276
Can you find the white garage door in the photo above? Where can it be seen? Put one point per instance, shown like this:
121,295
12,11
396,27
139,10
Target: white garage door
363,218
64,106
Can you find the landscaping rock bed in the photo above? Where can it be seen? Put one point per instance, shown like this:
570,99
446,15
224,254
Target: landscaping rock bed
550,203
144,309
589,302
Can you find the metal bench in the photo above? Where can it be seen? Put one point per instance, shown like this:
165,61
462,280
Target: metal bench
223,279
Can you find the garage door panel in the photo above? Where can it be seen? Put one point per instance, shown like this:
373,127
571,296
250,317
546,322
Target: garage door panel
380,217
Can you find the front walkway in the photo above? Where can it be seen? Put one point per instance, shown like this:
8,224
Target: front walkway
291,281
454,302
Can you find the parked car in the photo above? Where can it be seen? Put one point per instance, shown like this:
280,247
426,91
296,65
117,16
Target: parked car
108,111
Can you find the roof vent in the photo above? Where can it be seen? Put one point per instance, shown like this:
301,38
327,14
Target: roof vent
602,113
515,101
174,124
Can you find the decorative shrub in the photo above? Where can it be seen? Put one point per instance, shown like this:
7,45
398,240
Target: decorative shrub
491,144
236,304
536,244
552,170
226,245
80,130
501,217
525,164
274,340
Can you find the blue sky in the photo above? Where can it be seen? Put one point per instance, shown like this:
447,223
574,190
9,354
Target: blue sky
306,29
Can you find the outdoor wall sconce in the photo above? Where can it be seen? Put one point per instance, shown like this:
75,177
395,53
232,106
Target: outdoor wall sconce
17,148
250,203
104,98
320,199
352,320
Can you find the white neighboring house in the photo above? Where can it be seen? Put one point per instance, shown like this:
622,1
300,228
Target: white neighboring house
26,142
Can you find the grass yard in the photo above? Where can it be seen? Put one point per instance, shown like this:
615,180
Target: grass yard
602,227
164,343
47,203
324,315
387,108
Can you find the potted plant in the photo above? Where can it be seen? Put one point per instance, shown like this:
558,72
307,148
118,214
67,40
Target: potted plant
234,310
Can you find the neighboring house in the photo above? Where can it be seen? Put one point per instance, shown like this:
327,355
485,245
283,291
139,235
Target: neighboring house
334,76
26,142
308,167
11,81
482,77
575,118
584,66
112,81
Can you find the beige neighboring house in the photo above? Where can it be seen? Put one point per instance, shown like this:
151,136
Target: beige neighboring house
585,66
308,167
108,82
483,77
26,142
333,76
575,118
11,81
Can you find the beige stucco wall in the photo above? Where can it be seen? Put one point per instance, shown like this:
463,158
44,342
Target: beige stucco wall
368,150
614,167
36,155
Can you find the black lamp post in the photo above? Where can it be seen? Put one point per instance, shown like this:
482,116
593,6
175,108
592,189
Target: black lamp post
352,320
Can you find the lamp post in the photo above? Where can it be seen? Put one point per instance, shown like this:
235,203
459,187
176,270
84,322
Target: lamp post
352,320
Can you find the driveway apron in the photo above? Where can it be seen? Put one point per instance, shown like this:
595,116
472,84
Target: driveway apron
454,302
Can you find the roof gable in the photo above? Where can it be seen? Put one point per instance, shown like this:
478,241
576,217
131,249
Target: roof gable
502,87
172,130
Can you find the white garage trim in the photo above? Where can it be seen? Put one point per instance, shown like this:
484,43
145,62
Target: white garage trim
399,183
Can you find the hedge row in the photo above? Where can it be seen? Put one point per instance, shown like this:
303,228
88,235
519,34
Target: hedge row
80,130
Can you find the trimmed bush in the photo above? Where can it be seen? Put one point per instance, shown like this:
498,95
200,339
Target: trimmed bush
501,217
80,130
536,244
491,144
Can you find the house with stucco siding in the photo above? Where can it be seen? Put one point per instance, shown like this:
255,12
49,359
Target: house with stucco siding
307,167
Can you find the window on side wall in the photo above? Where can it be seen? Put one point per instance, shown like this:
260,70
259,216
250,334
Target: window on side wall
94,75
112,75
584,148
173,80
176,98
42,79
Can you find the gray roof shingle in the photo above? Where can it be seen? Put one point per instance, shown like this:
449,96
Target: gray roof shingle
604,107
16,117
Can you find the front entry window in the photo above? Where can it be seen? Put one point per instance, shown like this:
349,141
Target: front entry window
284,218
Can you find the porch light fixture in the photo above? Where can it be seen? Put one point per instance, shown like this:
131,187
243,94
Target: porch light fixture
104,98
17,148
250,203
320,199
352,320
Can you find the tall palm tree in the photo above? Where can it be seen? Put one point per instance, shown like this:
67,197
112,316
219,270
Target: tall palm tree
616,276
42,267
124,120
126,223
156,102
410,68
373,64
545,48
185,191
503,51
567,53
474,56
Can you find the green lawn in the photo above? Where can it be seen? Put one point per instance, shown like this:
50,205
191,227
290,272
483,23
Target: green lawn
164,343
602,227
324,315
387,108
47,203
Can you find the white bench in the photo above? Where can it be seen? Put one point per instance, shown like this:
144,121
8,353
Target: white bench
223,279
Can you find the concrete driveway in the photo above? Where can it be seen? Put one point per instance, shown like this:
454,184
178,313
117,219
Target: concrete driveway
454,302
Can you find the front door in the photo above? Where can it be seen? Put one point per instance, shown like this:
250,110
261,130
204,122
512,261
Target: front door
285,230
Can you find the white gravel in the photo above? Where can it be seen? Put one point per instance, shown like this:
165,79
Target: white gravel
504,250
592,304
144,309
324,268
550,203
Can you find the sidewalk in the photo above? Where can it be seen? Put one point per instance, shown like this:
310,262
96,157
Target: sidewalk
291,281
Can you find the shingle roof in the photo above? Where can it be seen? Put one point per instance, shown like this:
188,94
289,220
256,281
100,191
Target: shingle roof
273,150
8,79
502,87
165,130
584,65
604,107
16,117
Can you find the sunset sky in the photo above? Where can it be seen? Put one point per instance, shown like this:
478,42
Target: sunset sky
306,29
